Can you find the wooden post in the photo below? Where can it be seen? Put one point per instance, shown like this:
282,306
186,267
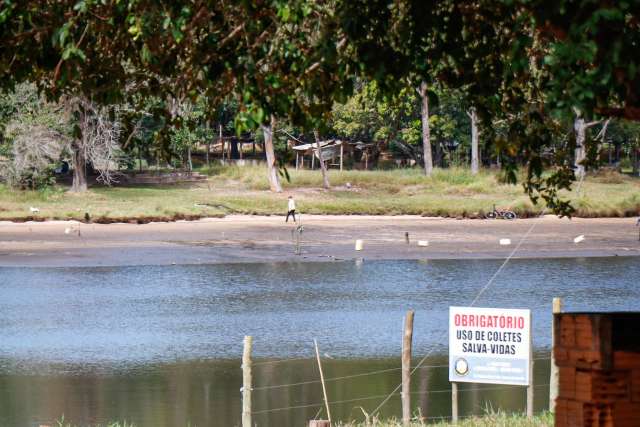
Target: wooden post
454,403
241,145
297,160
313,159
341,154
406,368
324,388
554,378
246,382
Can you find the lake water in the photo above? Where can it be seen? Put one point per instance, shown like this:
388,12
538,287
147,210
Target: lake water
161,345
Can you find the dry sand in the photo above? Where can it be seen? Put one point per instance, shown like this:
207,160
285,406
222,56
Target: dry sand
325,238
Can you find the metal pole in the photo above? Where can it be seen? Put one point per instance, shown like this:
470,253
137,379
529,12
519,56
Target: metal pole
530,391
530,388
454,403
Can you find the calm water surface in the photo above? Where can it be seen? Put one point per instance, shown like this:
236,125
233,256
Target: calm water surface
160,346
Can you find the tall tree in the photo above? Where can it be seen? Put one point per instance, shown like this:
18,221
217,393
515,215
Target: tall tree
272,168
323,166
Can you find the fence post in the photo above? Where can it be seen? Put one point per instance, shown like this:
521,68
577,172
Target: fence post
530,394
406,367
246,382
454,402
324,388
553,380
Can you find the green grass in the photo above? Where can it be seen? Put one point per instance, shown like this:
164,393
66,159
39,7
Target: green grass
491,419
244,190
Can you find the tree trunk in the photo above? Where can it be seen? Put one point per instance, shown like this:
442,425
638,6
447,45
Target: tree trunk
636,158
189,162
79,163
272,172
323,167
580,153
426,135
208,146
475,164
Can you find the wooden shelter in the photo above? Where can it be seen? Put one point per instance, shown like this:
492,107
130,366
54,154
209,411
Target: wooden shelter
331,149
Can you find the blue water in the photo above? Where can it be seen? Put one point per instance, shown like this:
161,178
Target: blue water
160,346
124,316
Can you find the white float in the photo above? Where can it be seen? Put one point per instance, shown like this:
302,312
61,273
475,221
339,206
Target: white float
505,242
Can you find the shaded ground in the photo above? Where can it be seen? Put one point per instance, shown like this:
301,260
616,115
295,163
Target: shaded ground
325,238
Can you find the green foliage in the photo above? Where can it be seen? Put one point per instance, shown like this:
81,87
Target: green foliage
527,63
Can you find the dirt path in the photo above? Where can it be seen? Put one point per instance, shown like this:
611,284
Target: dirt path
325,238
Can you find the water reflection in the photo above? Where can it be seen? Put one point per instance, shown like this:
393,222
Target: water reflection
207,393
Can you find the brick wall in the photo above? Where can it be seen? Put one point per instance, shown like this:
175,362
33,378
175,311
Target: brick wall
598,358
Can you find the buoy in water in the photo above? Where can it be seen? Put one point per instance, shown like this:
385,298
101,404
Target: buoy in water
505,242
423,243
359,245
579,239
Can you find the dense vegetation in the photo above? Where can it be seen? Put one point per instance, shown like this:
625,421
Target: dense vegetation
546,85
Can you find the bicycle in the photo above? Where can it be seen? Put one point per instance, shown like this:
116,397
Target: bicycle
500,213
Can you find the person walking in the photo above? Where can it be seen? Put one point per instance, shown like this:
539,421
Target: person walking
291,209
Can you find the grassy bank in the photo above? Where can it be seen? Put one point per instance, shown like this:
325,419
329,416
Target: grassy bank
244,190
497,419
493,419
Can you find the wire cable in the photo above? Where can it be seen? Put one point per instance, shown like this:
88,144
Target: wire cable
482,291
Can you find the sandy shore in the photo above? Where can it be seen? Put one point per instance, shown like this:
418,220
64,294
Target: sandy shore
325,238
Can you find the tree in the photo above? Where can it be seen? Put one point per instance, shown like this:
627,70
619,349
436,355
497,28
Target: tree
97,143
274,180
323,166
525,62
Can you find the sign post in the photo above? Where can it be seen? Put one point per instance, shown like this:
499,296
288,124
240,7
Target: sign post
491,346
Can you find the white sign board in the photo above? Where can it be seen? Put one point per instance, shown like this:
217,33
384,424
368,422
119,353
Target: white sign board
489,345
